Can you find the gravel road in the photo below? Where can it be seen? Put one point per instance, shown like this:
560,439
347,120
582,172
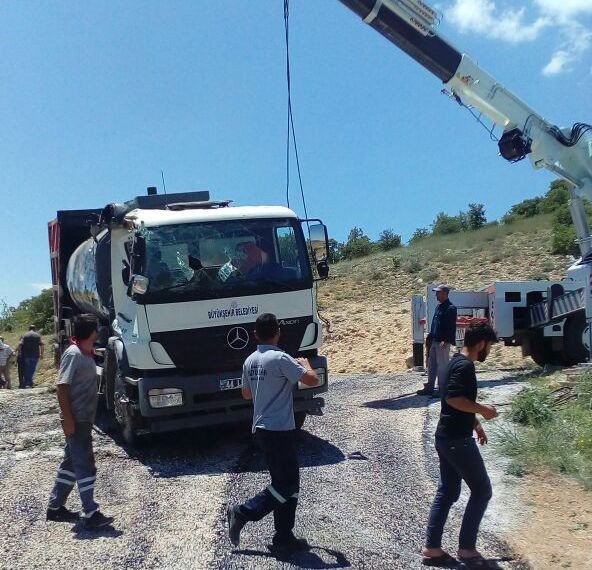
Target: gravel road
368,477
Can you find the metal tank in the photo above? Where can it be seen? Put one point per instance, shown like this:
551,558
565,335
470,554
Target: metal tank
81,279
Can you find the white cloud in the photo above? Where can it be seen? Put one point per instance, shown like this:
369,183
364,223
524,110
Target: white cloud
38,287
503,21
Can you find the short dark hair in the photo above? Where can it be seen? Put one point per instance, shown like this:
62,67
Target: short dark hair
479,332
32,327
266,326
84,325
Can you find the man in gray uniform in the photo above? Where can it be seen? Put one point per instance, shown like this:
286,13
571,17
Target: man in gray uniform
269,378
77,397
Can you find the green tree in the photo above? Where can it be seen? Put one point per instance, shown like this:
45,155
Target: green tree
476,216
446,224
388,239
556,196
37,310
335,250
525,209
419,234
358,244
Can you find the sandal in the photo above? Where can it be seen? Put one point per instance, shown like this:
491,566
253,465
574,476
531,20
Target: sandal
442,561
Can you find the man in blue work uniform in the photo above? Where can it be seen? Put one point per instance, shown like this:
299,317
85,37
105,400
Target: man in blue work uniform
269,378
442,336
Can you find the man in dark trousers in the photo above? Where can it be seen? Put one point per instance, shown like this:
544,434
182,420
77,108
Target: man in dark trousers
458,453
77,397
30,350
442,336
269,379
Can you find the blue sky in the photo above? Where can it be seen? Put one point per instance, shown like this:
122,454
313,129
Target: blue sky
97,97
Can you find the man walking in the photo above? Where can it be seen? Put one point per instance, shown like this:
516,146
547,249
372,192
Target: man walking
269,378
30,349
458,453
442,336
77,397
5,358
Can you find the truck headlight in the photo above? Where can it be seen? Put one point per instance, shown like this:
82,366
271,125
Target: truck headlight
165,397
321,379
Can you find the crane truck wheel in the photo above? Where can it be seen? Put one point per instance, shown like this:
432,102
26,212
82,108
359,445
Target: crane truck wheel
541,351
299,419
574,350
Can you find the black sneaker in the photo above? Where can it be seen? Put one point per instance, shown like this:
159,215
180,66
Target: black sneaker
235,525
62,515
425,392
435,394
287,545
97,520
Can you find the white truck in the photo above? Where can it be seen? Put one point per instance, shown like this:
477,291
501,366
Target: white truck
550,320
177,282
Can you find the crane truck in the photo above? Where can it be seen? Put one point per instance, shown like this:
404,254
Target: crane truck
550,320
177,282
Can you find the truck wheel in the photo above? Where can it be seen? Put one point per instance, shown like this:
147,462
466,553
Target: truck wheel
541,351
299,419
123,410
109,373
574,350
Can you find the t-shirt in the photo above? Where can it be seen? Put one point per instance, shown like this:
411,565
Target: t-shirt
271,374
79,371
460,380
30,343
5,353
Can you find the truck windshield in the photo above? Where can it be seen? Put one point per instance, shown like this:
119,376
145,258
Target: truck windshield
206,260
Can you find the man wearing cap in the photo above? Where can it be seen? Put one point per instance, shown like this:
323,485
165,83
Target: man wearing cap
442,336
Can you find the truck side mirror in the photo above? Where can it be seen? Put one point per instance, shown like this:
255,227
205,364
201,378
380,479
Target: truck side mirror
319,242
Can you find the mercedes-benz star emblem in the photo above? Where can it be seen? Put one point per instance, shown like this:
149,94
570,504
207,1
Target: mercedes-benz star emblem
237,338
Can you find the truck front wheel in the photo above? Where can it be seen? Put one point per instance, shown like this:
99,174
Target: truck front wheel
124,414
574,350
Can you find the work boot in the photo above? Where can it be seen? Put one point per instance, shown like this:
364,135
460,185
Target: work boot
235,525
435,394
284,545
425,391
97,520
62,515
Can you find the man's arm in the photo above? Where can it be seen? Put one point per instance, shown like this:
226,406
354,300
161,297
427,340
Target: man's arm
68,424
246,393
463,404
309,378
41,348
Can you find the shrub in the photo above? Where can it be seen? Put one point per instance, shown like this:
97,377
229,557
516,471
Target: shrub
428,275
358,244
476,216
419,234
413,264
531,407
388,239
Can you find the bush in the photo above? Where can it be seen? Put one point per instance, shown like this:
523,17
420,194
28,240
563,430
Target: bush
419,234
445,224
476,216
396,261
531,407
429,275
388,239
413,264
358,244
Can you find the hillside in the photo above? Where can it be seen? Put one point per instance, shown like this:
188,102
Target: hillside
368,299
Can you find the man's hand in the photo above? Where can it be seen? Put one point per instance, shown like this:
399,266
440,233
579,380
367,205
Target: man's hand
488,412
304,362
68,426
443,344
481,435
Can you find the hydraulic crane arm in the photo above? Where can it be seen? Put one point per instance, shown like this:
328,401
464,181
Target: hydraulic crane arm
410,25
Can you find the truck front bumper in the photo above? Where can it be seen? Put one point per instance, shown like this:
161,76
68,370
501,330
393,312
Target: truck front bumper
204,403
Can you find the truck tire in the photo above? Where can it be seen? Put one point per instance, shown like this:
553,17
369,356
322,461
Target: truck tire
574,350
109,373
124,414
299,419
541,351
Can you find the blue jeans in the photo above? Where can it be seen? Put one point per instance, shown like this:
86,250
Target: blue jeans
78,466
30,367
460,460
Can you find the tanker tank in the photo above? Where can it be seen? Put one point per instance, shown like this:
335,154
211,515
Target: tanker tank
82,279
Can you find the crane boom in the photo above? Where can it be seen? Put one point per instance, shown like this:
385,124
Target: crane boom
410,25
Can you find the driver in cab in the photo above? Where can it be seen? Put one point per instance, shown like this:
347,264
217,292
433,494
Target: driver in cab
248,261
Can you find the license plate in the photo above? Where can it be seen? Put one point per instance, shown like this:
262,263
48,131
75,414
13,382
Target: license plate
230,383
